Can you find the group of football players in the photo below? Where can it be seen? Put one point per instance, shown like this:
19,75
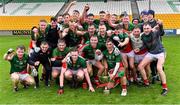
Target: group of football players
88,51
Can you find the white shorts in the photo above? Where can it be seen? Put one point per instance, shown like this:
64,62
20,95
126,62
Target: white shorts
56,69
129,54
92,62
155,56
22,77
139,58
74,71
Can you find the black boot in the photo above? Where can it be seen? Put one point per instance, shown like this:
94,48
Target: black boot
36,81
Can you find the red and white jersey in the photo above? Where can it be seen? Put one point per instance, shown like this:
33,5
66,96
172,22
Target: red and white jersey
136,42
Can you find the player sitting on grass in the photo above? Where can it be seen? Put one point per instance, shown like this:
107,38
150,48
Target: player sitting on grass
74,69
18,71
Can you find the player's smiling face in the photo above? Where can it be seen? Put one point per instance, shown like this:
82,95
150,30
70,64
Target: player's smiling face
72,25
74,56
102,29
150,17
53,24
136,32
94,41
60,19
113,18
125,20
66,18
75,15
43,26
90,19
61,46
135,22
20,53
44,48
102,16
109,46
116,31
147,29
35,30
91,29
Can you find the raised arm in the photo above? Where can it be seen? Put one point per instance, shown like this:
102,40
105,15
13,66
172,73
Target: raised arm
9,55
84,14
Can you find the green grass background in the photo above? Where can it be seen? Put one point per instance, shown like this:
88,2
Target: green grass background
136,95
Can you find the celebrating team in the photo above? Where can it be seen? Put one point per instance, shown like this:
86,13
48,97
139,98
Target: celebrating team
82,50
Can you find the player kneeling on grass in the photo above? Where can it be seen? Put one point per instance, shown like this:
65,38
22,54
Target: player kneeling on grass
19,61
113,63
74,69
92,53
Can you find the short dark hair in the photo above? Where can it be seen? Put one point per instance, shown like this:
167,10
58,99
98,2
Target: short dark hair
119,26
76,11
22,47
90,14
146,24
66,14
44,43
100,12
74,50
109,40
135,19
53,19
93,36
114,15
91,25
136,27
34,27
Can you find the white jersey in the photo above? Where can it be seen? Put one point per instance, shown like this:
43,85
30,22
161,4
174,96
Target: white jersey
136,42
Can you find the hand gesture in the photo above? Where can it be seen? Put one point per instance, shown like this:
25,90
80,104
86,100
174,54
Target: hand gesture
91,89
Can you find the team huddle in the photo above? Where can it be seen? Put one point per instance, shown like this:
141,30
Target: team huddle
85,51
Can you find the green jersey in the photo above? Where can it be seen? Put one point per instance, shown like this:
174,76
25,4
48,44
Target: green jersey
89,52
59,55
87,37
102,40
118,38
18,65
97,22
72,39
111,59
80,63
130,27
85,26
41,36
